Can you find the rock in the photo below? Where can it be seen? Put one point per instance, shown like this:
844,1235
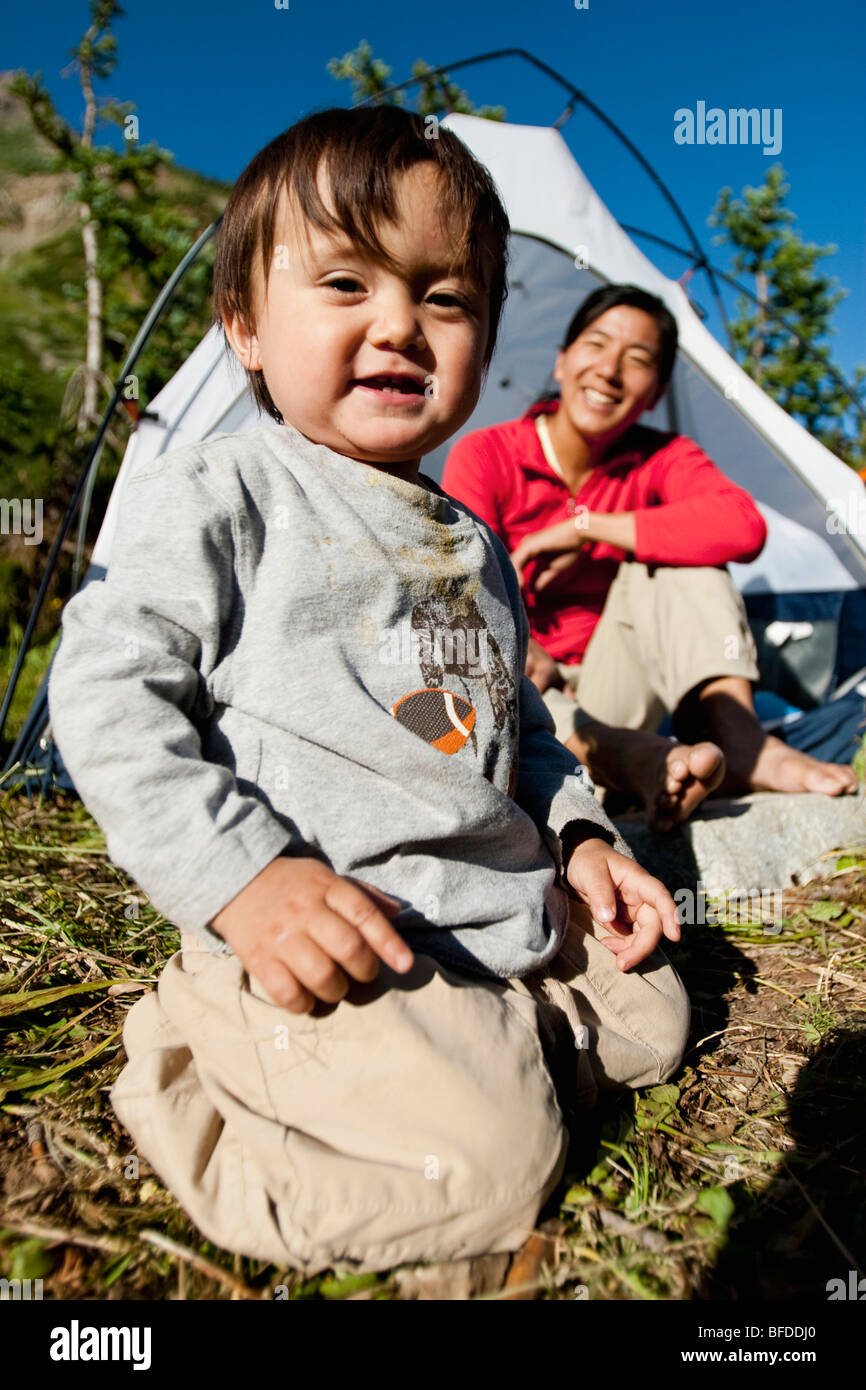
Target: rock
765,841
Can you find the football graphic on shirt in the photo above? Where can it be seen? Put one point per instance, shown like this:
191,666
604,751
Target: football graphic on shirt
438,716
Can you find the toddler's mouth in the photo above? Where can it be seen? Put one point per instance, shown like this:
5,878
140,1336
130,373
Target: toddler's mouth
392,384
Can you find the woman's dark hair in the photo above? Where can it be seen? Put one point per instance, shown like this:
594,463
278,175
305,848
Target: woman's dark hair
608,297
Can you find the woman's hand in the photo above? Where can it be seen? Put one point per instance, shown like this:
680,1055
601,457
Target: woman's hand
541,668
559,544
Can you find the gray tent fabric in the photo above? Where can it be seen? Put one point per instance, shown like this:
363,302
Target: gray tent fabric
806,592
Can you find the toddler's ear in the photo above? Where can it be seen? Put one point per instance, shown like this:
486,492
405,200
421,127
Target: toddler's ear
244,343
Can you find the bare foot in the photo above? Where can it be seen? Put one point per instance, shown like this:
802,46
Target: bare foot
779,768
677,778
669,779
756,761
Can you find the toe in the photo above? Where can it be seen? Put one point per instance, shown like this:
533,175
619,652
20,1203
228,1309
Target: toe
837,776
827,782
705,760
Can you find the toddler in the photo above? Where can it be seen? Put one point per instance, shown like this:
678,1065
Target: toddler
412,944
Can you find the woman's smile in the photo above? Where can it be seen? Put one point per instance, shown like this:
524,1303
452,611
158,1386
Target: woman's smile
600,400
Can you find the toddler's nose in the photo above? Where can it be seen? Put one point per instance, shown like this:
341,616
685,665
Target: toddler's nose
397,326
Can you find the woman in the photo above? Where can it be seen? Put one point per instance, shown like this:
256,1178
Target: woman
621,534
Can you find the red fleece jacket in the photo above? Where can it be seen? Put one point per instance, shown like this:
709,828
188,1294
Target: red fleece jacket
686,513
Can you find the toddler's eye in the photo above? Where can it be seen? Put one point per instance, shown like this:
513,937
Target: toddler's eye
346,283
451,298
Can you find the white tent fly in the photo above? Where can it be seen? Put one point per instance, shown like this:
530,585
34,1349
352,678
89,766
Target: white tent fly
806,592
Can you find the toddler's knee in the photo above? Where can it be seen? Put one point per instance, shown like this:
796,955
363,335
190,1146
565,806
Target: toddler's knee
673,1032
483,1189
513,1178
517,1149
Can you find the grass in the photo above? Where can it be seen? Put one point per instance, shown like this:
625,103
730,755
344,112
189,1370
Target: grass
741,1178
36,663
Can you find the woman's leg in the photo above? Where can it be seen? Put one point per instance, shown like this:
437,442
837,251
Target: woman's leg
723,709
684,635
701,656
624,686
664,630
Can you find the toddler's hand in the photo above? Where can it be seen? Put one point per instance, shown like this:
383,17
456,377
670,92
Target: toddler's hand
297,922
619,891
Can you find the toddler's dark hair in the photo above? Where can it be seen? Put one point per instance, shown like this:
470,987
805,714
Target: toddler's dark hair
363,149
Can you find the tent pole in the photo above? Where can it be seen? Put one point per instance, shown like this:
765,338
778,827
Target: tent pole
672,405
699,253
83,514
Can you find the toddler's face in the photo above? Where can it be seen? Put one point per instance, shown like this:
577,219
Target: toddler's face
335,320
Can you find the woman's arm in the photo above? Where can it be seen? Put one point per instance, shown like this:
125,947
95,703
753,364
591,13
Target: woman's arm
702,518
562,542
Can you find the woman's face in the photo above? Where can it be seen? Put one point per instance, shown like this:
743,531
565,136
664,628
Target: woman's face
609,375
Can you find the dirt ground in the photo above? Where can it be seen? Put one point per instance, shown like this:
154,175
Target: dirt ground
741,1179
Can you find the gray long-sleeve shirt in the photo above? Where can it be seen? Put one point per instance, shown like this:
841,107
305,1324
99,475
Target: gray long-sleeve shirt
294,652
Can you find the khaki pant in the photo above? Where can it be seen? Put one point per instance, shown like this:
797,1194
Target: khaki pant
662,631
425,1117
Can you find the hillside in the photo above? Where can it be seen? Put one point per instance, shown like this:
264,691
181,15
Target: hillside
42,311
41,280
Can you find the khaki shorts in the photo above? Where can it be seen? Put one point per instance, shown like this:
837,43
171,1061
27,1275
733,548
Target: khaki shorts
425,1117
664,629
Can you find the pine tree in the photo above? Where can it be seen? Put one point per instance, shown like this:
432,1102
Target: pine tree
369,78
792,363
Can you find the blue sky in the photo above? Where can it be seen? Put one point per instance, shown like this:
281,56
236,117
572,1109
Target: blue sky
214,80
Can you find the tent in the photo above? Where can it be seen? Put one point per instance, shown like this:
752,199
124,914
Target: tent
806,592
